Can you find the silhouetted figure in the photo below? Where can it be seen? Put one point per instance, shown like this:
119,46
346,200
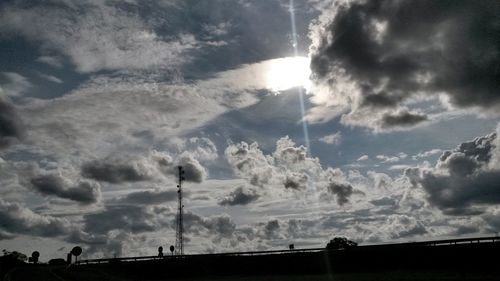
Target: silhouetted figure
172,248
291,246
160,251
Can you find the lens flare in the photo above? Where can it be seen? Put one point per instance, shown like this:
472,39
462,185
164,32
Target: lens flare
300,90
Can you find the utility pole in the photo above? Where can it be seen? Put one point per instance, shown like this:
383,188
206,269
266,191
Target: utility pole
179,250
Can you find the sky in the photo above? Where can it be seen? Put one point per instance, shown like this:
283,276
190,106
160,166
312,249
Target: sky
295,121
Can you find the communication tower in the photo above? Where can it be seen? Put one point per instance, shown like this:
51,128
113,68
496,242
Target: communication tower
179,249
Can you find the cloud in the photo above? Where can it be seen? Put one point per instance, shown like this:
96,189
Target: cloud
370,68
427,154
220,225
15,218
146,167
51,78
288,166
201,148
126,218
96,36
402,226
249,162
11,126
16,84
463,179
387,159
242,195
117,170
363,158
342,190
333,139
193,170
85,192
384,201
271,229
51,60
402,119
147,197
297,181
106,116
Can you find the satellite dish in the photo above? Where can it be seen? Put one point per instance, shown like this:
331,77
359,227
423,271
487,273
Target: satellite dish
76,251
34,257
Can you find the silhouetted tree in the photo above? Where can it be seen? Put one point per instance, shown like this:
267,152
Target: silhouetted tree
340,243
15,254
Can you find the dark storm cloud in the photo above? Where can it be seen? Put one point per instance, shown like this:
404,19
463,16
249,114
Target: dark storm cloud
115,172
147,197
17,219
402,119
11,127
84,192
342,190
462,178
380,100
240,196
393,50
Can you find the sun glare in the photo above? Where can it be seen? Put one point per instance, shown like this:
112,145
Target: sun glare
287,73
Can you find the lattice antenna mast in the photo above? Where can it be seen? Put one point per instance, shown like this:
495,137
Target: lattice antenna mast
179,247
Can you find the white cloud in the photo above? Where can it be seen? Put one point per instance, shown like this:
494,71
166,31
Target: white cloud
51,60
97,36
363,158
334,139
427,154
289,167
15,84
51,78
387,159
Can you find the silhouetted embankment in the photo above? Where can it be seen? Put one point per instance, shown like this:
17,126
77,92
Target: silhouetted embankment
463,258
469,257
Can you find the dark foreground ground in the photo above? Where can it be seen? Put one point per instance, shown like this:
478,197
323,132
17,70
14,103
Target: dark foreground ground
470,261
84,275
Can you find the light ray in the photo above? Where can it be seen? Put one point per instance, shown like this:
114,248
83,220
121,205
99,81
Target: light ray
300,89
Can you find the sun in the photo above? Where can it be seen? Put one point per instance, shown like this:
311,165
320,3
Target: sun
286,73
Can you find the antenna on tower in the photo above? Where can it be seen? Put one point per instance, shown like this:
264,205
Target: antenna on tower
179,250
